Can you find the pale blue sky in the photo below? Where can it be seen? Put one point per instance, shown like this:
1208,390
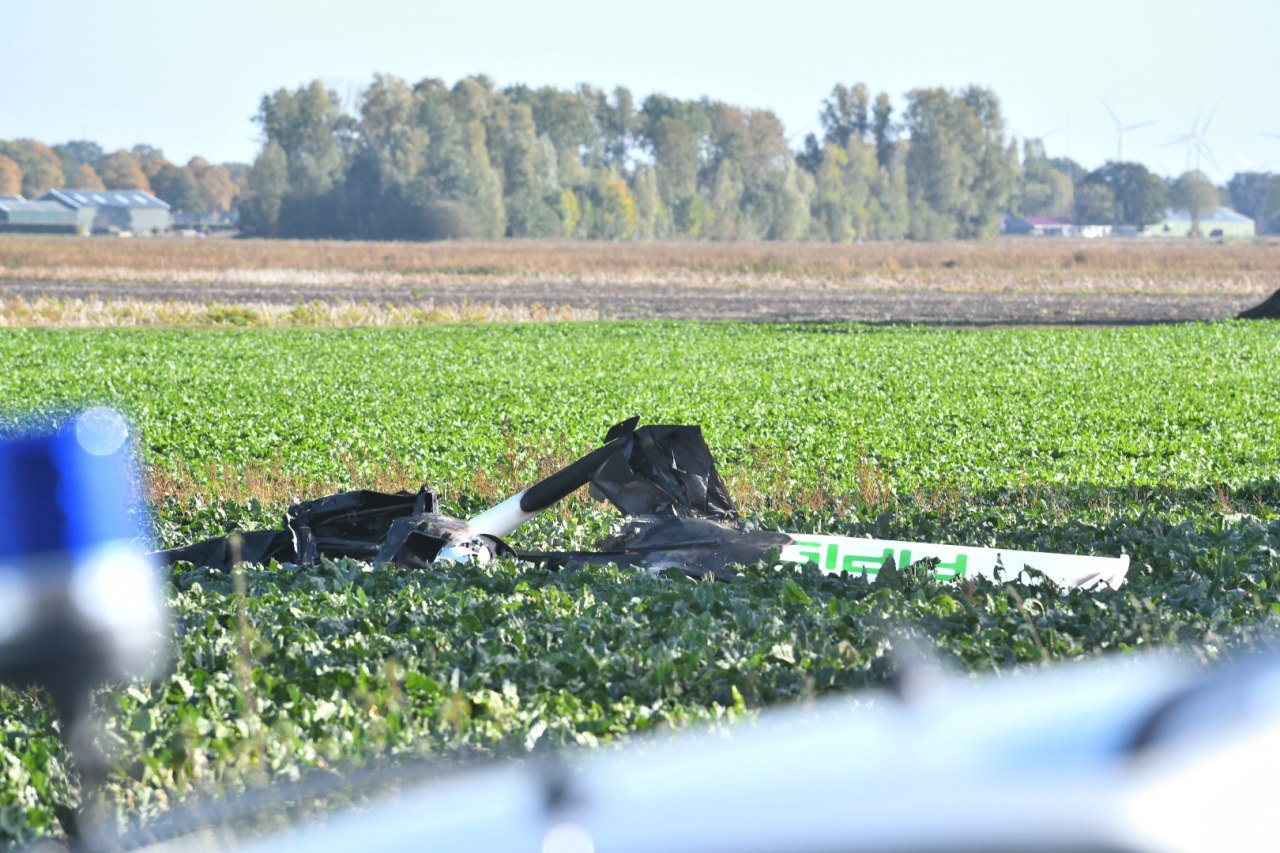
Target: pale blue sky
187,77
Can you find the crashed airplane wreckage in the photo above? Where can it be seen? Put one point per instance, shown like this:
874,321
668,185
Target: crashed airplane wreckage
678,516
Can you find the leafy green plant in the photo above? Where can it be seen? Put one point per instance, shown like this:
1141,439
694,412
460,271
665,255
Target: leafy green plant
1156,442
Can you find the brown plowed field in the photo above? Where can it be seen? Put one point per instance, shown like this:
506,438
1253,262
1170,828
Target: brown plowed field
1026,282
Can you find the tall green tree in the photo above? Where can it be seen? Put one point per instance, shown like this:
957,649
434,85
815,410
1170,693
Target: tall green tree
1095,204
652,219
309,128
485,198
1196,194
1045,190
844,114
615,122
889,208
676,133
266,186
832,219
389,128
567,119
1140,197
176,186
961,172
77,153
882,130
447,175
1257,195
791,190
675,147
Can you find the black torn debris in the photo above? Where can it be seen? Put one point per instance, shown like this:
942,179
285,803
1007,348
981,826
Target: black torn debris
662,478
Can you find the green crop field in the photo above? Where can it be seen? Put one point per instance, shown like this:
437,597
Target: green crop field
1160,442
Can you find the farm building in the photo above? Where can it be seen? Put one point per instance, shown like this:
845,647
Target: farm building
1040,226
1223,222
18,214
113,211
1051,226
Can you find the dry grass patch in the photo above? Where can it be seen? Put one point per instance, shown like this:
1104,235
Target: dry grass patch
1007,264
95,312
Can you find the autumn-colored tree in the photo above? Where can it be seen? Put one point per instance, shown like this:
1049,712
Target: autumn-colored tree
10,176
213,183
570,211
122,171
151,165
85,178
41,167
615,208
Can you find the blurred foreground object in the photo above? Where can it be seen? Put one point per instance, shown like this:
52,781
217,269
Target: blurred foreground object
1129,754
80,599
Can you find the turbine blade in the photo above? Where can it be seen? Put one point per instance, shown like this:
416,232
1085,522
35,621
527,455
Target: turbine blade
1139,124
1196,123
1208,154
1110,112
1213,112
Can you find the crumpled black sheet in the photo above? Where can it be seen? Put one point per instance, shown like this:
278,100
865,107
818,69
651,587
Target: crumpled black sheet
664,471
404,528
662,478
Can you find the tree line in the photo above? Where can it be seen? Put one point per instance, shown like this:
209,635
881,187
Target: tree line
29,168
432,161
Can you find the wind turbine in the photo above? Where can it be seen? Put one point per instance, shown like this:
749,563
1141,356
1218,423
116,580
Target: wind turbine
1195,140
1122,128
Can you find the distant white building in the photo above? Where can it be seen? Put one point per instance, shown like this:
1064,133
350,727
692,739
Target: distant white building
1223,222
1040,226
1052,226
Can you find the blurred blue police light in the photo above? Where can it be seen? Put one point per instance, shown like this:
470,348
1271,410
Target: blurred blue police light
76,585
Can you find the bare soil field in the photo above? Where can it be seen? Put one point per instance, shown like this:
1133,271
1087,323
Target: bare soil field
77,281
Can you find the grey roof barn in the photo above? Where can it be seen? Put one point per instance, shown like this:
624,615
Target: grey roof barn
99,211
18,214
